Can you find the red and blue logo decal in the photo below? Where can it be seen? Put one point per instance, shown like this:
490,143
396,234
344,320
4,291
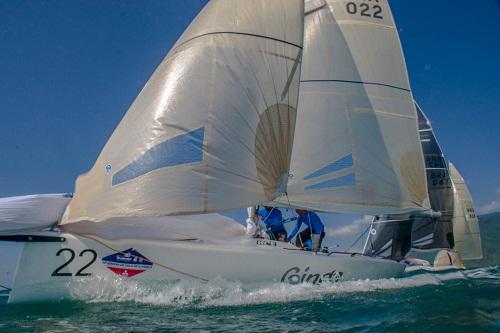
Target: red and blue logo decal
127,263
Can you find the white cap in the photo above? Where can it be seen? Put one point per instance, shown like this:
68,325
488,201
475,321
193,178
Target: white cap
251,212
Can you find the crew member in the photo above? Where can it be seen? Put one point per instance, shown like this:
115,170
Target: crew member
315,231
273,219
254,228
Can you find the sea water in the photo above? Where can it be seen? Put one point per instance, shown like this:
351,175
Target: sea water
467,301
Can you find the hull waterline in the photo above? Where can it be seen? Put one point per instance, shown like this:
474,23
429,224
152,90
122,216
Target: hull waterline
49,271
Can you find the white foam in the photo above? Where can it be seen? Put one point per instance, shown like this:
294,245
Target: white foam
226,293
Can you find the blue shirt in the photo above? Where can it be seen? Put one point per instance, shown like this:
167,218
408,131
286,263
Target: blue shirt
311,220
272,219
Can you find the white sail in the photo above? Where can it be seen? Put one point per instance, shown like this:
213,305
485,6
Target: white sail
356,146
465,224
213,127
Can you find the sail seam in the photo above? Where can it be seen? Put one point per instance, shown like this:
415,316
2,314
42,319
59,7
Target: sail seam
359,82
239,33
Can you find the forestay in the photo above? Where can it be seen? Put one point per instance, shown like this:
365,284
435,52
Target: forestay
212,129
465,223
356,145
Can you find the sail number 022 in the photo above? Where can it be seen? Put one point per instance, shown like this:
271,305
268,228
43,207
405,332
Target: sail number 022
80,272
364,9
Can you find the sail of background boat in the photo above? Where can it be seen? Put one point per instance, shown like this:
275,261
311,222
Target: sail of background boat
465,223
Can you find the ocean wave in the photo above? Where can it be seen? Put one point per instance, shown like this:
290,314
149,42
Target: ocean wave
492,272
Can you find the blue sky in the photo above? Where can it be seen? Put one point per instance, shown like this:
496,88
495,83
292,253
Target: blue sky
70,69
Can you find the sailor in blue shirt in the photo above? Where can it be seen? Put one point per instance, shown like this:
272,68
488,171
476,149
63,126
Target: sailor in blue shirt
314,233
273,220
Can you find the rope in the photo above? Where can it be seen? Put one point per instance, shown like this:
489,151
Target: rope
154,262
360,236
6,288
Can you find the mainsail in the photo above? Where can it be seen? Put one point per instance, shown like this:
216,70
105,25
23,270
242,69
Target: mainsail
465,223
424,230
212,129
434,232
356,144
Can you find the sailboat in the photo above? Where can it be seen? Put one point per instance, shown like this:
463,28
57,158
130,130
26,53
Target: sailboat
431,242
269,101
466,231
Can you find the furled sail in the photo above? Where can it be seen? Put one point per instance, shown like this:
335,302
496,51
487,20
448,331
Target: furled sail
31,212
424,230
356,144
213,127
465,223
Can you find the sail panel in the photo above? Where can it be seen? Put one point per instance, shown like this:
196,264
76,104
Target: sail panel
465,222
213,127
355,101
434,232
389,236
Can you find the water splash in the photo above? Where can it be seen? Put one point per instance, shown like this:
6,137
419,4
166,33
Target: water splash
220,292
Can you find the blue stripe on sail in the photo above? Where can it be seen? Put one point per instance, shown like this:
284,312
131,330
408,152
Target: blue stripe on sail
347,180
181,149
344,162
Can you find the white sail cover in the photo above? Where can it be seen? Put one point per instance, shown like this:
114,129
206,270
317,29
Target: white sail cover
465,223
27,213
356,146
213,127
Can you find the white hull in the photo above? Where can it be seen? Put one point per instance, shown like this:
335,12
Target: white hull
42,275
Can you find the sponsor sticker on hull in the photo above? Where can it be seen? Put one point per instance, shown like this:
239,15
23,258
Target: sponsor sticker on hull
127,263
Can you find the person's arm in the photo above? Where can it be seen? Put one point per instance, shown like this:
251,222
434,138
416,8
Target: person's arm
296,229
263,215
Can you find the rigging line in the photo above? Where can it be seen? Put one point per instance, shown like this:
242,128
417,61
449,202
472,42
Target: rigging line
358,82
6,288
154,262
357,240
391,221
238,33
